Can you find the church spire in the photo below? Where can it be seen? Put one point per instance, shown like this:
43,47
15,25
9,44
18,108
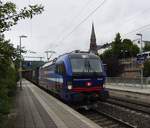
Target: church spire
93,45
93,37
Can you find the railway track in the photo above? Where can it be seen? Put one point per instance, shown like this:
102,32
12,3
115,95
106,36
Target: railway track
104,120
134,113
131,104
119,113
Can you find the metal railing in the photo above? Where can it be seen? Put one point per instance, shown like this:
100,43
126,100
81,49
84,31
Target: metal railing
128,82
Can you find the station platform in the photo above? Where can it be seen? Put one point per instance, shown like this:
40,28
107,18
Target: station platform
140,89
38,109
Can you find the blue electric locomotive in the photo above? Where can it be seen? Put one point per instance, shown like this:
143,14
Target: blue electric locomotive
75,77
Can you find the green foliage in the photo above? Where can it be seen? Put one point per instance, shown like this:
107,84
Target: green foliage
129,49
122,48
147,68
117,45
107,54
119,49
7,74
10,15
146,47
9,56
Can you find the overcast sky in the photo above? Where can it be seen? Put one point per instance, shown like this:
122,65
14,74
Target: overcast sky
49,30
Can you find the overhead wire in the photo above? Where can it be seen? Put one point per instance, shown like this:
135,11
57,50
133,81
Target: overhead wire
83,20
140,13
73,19
135,30
78,25
77,15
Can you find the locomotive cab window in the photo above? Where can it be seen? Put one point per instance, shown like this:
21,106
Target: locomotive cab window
89,65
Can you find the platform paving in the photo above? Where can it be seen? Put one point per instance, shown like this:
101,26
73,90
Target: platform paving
30,113
38,109
124,87
136,94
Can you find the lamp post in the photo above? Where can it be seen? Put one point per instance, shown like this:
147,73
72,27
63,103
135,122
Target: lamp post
139,34
20,70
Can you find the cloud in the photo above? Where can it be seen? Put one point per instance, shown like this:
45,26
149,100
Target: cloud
61,16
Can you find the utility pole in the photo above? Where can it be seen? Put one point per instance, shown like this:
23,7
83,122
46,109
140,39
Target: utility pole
139,34
47,55
20,70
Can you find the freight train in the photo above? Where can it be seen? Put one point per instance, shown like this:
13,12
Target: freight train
74,77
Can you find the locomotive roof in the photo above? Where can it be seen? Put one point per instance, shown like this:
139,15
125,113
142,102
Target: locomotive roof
83,55
71,55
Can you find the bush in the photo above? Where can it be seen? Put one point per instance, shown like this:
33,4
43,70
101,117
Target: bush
7,84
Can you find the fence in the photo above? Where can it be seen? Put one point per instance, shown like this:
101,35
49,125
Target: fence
129,82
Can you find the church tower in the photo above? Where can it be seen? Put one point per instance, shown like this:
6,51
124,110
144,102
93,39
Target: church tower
93,45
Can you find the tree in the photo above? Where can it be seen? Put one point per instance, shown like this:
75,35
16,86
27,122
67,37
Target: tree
117,45
119,49
9,56
129,49
7,74
107,54
146,47
10,15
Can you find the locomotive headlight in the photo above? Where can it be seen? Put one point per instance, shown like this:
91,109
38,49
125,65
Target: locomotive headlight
69,84
69,87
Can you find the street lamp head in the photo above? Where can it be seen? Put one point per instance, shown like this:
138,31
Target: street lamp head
23,36
139,34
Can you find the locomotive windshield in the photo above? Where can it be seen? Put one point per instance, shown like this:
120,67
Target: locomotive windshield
86,65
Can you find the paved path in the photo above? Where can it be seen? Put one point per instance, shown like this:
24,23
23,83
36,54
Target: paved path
37,109
30,113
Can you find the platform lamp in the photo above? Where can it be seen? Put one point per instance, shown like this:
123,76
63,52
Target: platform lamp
20,70
139,34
